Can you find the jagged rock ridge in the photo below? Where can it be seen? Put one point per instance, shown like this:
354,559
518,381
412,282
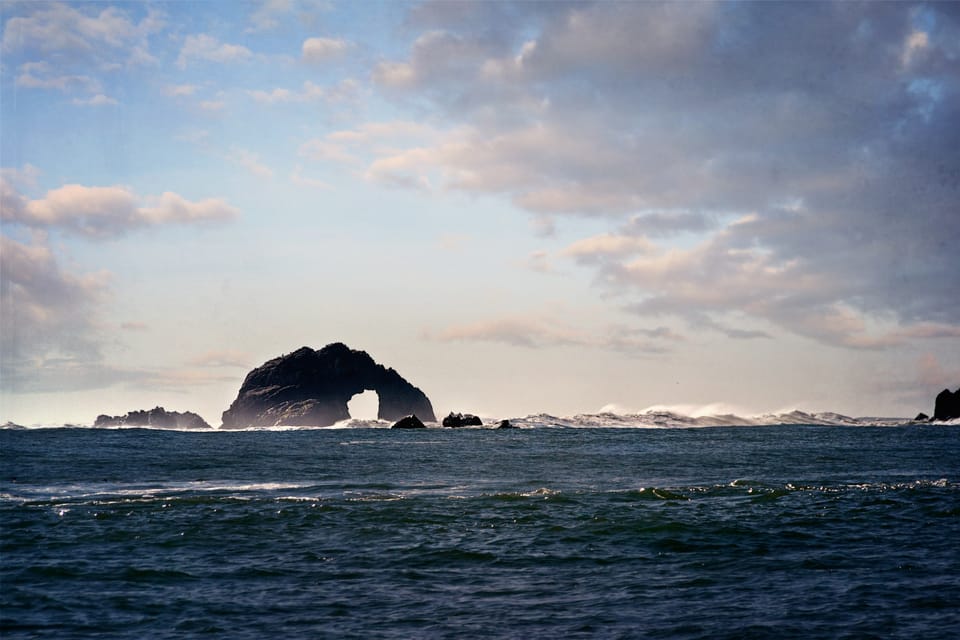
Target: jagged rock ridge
156,417
312,388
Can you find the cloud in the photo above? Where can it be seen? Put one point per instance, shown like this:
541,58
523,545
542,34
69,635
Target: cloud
178,90
270,13
791,167
98,100
100,212
213,105
206,48
354,146
267,15
344,91
534,332
47,312
301,180
250,161
222,358
42,75
58,27
106,39
321,50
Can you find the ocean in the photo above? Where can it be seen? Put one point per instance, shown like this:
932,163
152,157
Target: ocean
561,529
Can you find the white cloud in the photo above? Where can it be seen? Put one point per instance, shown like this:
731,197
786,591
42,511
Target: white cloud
319,50
58,28
107,211
343,91
179,90
250,161
42,75
267,15
213,105
98,100
206,48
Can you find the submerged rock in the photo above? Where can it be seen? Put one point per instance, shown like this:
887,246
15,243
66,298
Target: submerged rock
312,388
408,422
947,405
156,417
455,420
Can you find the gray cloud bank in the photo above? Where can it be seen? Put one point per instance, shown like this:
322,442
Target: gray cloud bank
808,151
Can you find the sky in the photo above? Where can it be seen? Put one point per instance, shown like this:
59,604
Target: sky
559,207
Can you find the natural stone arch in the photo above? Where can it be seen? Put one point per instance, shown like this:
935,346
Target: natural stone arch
309,387
364,405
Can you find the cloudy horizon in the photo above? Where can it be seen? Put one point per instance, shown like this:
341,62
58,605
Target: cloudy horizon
559,207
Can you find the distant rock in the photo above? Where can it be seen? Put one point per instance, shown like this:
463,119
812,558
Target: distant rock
947,406
12,425
408,422
156,417
921,417
455,420
312,388
505,424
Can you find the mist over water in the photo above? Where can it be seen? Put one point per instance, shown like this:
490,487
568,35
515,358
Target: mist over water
727,532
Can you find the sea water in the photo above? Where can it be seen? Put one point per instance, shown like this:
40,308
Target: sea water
791,531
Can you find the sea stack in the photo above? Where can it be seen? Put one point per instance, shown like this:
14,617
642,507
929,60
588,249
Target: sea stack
947,405
157,417
312,388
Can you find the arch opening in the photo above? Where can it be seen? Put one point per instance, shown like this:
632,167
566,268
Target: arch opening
364,405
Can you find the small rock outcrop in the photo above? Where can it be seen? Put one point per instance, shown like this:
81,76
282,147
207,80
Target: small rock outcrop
505,424
921,417
156,417
408,422
947,405
312,388
455,420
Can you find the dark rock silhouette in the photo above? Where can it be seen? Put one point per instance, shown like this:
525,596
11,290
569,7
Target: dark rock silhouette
921,417
947,405
505,424
156,417
312,387
408,422
455,420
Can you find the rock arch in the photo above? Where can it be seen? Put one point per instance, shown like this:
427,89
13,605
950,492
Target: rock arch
312,387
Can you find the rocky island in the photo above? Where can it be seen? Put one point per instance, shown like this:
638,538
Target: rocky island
156,417
947,405
312,388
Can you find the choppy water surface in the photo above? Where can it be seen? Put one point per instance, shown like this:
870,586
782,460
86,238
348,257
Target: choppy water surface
725,532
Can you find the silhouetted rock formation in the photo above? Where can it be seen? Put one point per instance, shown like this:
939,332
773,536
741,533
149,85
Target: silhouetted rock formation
156,417
505,424
455,420
408,422
947,405
921,417
312,388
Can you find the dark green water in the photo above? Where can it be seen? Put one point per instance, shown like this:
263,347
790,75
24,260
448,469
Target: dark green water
759,532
